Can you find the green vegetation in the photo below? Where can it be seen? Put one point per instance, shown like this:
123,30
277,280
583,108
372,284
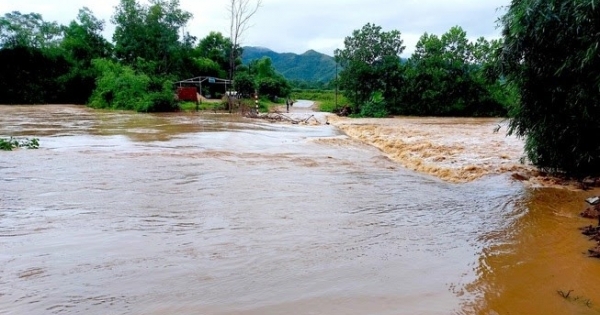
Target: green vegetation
212,105
12,143
43,62
310,70
371,62
261,76
445,76
120,87
551,54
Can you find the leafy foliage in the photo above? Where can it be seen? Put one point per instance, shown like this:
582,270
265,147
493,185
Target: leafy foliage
551,54
261,75
244,84
28,30
375,107
31,76
446,75
449,75
120,87
215,47
82,43
371,62
147,36
12,143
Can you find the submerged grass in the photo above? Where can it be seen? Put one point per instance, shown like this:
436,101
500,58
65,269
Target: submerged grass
8,144
264,105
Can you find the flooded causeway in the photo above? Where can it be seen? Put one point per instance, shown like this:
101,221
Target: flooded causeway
186,213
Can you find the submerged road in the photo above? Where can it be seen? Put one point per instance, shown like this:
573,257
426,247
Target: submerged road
303,104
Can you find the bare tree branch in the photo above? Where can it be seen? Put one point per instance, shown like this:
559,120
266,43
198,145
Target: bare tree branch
241,11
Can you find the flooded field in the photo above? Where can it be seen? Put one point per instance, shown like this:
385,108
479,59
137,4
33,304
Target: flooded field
185,213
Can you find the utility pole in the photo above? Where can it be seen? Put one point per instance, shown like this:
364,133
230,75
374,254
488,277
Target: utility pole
336,85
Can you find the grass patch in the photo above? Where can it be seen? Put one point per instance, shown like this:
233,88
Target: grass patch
203,106
264,105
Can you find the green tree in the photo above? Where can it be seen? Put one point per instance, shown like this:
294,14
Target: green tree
371,63
146,37
273,87
449,75
28,30
267,80
30,75
82,43
551,53
32,66
83,40
216,48
244,84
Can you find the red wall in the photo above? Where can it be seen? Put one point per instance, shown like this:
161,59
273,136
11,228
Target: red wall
187,94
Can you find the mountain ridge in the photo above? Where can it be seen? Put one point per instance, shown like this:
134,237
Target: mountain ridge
310,66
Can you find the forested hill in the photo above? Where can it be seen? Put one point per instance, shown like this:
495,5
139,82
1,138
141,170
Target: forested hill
310,66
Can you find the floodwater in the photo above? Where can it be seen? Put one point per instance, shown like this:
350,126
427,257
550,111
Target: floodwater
185,213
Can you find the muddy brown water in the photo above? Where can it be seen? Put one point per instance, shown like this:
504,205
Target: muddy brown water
124,213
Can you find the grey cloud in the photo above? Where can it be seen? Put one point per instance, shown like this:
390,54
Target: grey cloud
297,26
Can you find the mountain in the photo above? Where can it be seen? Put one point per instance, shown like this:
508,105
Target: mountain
310,66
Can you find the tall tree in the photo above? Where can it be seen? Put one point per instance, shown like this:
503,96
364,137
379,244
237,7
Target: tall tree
31,76
215,47
31,64
371,62
551,53
449,75
147,36
240,13
28,30
83,42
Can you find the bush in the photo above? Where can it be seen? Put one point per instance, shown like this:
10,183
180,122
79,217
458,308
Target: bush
120,87
244,84
375,107
273,87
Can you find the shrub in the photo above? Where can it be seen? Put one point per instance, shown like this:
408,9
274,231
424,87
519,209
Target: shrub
120,87
374,107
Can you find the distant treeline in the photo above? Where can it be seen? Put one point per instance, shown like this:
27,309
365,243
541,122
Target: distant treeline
44,62
446,75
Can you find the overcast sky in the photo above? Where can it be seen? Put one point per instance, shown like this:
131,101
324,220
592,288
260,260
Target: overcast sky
297,26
